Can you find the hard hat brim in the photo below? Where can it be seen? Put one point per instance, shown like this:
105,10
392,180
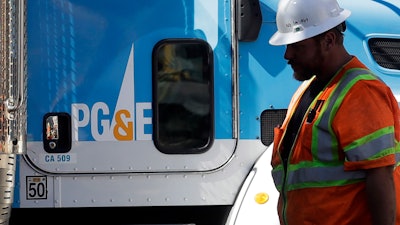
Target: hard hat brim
279,38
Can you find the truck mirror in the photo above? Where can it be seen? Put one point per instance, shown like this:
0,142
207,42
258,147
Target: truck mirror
249,20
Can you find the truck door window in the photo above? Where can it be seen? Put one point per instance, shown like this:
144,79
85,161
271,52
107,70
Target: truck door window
183,96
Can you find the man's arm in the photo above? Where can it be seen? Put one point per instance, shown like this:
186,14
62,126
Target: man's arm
381,195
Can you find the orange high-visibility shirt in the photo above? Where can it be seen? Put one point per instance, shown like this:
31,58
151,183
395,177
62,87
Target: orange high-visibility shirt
356,127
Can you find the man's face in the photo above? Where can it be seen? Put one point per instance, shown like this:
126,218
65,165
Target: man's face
305,58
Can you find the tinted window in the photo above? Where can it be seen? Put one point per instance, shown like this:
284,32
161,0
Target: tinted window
183,96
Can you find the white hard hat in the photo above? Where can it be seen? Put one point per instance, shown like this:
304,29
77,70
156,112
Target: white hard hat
298,20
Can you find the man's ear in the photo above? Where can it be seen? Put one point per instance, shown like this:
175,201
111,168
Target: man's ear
329,40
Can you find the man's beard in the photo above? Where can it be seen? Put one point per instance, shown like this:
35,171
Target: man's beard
302,76
306,73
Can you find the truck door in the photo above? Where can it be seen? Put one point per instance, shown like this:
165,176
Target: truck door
129,86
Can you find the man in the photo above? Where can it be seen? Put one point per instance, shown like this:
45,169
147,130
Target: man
334,157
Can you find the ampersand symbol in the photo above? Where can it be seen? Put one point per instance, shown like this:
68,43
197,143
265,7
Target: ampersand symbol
127,129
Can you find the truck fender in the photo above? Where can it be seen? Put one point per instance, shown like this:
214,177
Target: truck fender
257,200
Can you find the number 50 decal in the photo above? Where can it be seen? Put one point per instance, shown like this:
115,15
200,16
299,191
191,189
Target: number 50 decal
36,187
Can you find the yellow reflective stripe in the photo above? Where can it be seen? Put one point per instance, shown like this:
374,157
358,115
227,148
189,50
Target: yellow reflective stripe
371,146
323,136
322,177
